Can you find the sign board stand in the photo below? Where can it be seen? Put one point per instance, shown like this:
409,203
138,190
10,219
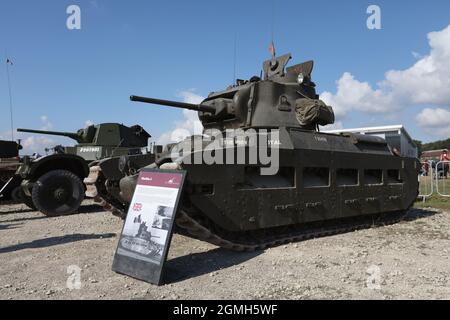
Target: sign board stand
147,231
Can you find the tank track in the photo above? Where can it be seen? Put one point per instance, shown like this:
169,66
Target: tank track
252,241
191,223
96,184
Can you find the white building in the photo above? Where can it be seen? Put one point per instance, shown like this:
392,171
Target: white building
395,136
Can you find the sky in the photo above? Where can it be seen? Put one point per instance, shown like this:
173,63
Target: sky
65,79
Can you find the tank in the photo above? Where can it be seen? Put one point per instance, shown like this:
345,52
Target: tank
9,149
9,162
323,183
53,184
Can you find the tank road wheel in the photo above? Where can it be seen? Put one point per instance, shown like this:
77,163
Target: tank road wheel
58,192
17,195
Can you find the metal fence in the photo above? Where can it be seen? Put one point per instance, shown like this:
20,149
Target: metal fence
426,179
442,180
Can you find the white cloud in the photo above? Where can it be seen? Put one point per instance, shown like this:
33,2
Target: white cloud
355,95
416,55
6,135
47,125
335,126
35,143
433,118
427,82
31,143
190,97
88,123
189,125
435,121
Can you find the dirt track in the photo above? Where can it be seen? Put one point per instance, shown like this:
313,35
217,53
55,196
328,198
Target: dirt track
406,260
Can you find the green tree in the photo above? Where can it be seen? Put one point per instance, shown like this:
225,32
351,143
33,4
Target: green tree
419,146
436,145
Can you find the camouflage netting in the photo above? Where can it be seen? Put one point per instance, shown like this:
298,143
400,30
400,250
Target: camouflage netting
313,111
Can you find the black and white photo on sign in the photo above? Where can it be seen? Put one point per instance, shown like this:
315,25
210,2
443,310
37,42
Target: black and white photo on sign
162,218
145,231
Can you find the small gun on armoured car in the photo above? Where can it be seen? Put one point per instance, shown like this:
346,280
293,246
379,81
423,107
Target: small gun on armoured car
73,135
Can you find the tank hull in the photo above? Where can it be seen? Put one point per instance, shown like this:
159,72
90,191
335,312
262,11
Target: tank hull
326,184
321,177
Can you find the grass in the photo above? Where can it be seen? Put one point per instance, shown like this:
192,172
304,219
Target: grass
436,200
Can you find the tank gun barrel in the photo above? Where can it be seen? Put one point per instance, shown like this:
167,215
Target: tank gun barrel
71,135
176,104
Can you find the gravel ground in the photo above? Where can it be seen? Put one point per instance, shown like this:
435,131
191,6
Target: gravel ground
408,260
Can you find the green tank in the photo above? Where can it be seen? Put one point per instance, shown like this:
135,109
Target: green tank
54,183
325,183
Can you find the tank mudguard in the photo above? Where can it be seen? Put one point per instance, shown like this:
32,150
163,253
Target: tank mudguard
111,167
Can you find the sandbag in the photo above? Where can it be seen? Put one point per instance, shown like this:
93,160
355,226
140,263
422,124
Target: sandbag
313,111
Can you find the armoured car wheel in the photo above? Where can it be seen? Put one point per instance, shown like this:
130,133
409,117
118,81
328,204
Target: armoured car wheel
28,201
58,192
18,195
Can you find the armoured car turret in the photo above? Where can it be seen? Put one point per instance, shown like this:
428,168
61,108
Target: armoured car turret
322,183
103,140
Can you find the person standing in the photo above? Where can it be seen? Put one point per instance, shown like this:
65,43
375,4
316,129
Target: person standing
446,159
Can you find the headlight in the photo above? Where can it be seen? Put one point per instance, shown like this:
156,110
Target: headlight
300,78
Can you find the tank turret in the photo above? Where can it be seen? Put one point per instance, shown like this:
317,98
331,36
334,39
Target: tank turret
285,97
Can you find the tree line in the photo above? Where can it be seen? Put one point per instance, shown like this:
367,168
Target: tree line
436,145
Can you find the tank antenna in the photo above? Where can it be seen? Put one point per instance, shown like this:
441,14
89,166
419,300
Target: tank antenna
234,58
8,63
